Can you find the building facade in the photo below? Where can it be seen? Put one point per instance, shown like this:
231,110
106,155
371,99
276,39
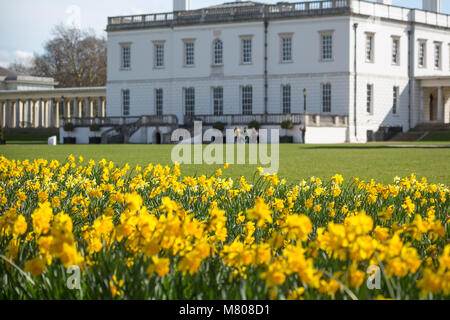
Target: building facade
361,67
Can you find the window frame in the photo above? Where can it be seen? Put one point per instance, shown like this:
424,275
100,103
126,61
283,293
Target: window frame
371,58
395,100
324,103
322,35
159,103
396,39
244,100
157,44
242,54
191,113
187,42
286,105
369,104
437,44
219,100
283,37
214,53
425,48
123,46
128,93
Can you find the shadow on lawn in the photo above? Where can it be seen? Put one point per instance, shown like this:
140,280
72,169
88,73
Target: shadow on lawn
367,147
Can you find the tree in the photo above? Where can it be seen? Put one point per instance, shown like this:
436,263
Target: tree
73,57
21,68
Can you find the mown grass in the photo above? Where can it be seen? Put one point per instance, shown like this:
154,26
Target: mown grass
438,136
380,161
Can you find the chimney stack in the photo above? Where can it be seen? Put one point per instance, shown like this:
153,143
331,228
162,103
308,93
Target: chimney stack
388,2
181,5
432,5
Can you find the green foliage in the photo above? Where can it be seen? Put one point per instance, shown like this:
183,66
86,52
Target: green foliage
287,124
254,124
219,126
94,127
69,127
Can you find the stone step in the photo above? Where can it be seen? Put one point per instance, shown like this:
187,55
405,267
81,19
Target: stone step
431,127
409,136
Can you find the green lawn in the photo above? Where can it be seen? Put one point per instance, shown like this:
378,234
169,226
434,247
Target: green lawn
438,136
380,161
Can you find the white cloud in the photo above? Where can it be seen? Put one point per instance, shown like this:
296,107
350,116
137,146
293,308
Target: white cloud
74,16
19,56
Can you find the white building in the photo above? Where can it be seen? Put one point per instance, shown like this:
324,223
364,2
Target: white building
366,67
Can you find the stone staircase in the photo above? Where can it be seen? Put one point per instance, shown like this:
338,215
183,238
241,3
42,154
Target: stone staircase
420,131
122,133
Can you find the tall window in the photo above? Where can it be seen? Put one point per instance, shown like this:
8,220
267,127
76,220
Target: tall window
286,48
126,102
326,46
159,55
437,55
369,47
422,54
189,101
370,98
395,100
218,52
395,51
159,101
188,53
247,100
218,101
246,50
286,98
126,56
326,97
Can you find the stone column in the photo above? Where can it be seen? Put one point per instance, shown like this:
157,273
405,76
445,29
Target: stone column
7,115
87,109
75,107
91,108
104,106
2,114
18,114
40,114
62,103
440,104
99,108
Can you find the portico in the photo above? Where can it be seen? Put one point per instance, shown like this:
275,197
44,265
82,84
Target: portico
435,99
45,108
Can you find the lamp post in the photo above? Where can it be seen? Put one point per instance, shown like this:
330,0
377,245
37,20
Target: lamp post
304,117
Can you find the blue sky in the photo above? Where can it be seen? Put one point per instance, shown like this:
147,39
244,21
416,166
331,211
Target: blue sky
25,25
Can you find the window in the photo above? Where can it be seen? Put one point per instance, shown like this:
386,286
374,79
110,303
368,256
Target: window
125,56
189,53
437,55
126,102
218,52
159,54
286,98
159,101
247,100
326,46
286,48
422,54
218,101
326,97
396,51
395,100
370,98
246,44
369,47
189,101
